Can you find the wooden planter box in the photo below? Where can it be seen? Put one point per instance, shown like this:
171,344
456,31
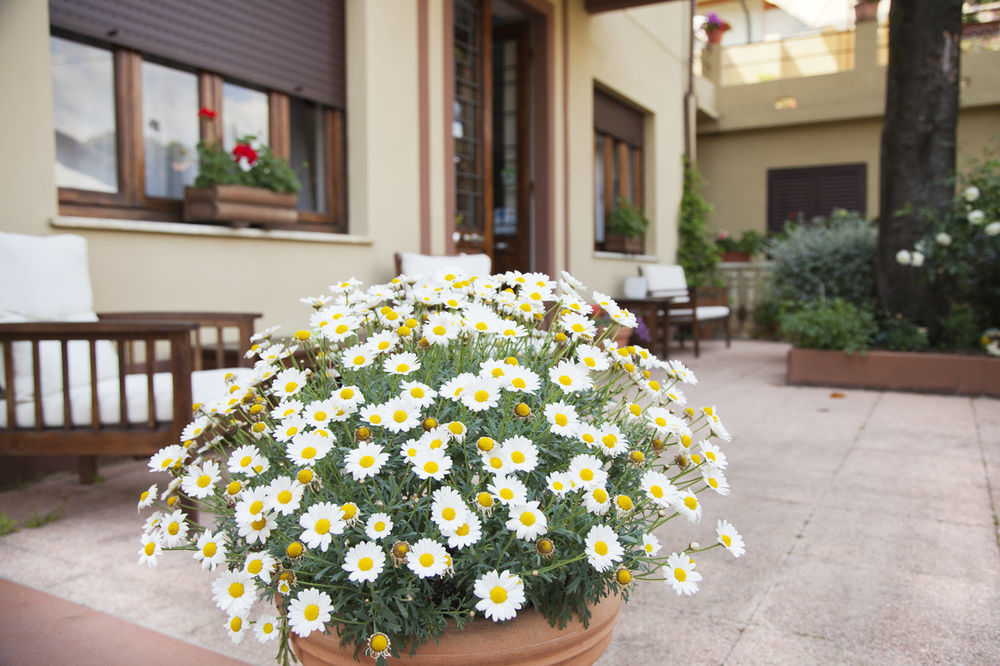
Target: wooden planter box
626,244
239,205
736,255
898,371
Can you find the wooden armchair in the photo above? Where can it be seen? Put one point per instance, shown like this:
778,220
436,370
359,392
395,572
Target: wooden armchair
669,281
118,384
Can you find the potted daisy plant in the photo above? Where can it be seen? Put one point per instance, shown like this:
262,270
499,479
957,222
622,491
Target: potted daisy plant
422,460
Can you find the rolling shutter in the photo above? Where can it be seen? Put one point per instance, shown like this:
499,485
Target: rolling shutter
804,193
291,46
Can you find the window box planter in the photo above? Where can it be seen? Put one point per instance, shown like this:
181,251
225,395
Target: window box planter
239,205
625,244
736,255
959,374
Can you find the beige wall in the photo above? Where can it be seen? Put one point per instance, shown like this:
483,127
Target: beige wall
639,53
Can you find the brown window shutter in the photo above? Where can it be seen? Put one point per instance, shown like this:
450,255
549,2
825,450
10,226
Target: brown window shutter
806,192
617,119
291,46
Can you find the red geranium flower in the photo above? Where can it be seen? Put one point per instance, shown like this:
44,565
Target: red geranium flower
205,112
244,151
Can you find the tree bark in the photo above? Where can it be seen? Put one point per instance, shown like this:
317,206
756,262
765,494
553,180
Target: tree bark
918,143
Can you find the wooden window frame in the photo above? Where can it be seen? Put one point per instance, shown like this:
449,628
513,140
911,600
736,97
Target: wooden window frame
131,200
631,191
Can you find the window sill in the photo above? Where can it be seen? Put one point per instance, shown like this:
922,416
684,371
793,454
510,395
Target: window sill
184,229
621,256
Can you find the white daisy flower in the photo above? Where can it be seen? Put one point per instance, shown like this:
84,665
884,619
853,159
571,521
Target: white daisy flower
147,498
976,217
378,526
309,611
993,228
588,471
341,329
480,394
431,464
318,413
284,495
374,415
441,328
211,550
349,396
602,547
168,457
466,534
686,503
593,358
578,325
501,595
453,388
971,193
560,483
402,363
266,628
680,574
321,521
730,538
289,427
200,480
588,434
612,441
562,418
233,592
521,453
151,549
675,395
307,448
174,529
681,372
260,565
527,521
357,357
659,488
650,544
287,409
400,415
365,461
448,510
195,428
436,438
289,382
419,394
236,627
364,562
511,329
597,501
258,528
713,454
496,462
428,558
508,490
571,377
520,379
716,480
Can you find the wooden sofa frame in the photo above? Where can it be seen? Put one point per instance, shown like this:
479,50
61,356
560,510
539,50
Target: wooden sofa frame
180,330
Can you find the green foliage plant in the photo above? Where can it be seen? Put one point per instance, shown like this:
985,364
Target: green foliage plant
696,252
897,333
7,525
837,324
249,163
626,220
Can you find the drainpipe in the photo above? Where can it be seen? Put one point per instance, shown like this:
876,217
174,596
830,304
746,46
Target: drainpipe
690,87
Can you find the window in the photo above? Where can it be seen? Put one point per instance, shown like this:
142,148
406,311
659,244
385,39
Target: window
803,193
129,77
617,159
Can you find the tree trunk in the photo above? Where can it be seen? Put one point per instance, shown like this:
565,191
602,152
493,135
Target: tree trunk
918,143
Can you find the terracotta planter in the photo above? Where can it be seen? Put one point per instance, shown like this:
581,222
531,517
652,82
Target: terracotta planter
238,204
526,640
714,36
626,244
898,371
865,11
736,255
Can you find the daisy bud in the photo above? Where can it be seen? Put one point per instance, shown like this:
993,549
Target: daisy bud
411,323
400,550
485,444
362,434
256,408
511,360
623,576
521,410
171,501
423,343
302,335
534,572
294,550
638,457
694,545
429,424
305,476
195,407
657,445
560,337
681,461
403,331
545,548
233,488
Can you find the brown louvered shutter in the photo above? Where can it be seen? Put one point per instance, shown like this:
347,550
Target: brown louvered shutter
617,119
291,46
803,193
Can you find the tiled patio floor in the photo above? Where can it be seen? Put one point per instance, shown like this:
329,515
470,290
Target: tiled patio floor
869,521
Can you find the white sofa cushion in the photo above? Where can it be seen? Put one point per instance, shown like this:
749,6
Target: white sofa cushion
206,386
46,278
665,280
427,266
705,313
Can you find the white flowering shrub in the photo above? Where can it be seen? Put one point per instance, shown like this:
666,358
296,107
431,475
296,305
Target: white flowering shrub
960,256
434,450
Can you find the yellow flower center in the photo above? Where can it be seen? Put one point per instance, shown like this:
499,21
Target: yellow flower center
399,416
430,467
624,502
290,387
347,394
284,497
322,526
691,502
259,524
485,444
517,457
481,395
150,548
174,528
366,461
561,420
519,383
209,549
236,623
366,563
680,574
439,330
348,510
565,380
143,496
463,530
204,480
236,590
609,440
448,513
726,541
587,474
380,526
378,643
498,595
294,549
600,495
417,392
686,440
305,476
656,491
527,518
311,612
245,461
484,499
456,428
426,560
341,328
590,362
601,548
320,416
255,567
309,453
507,494
402,367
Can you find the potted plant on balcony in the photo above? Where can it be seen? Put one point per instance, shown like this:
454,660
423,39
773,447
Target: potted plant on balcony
866,10
438,459
625,229
750,243
715,27
248,184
